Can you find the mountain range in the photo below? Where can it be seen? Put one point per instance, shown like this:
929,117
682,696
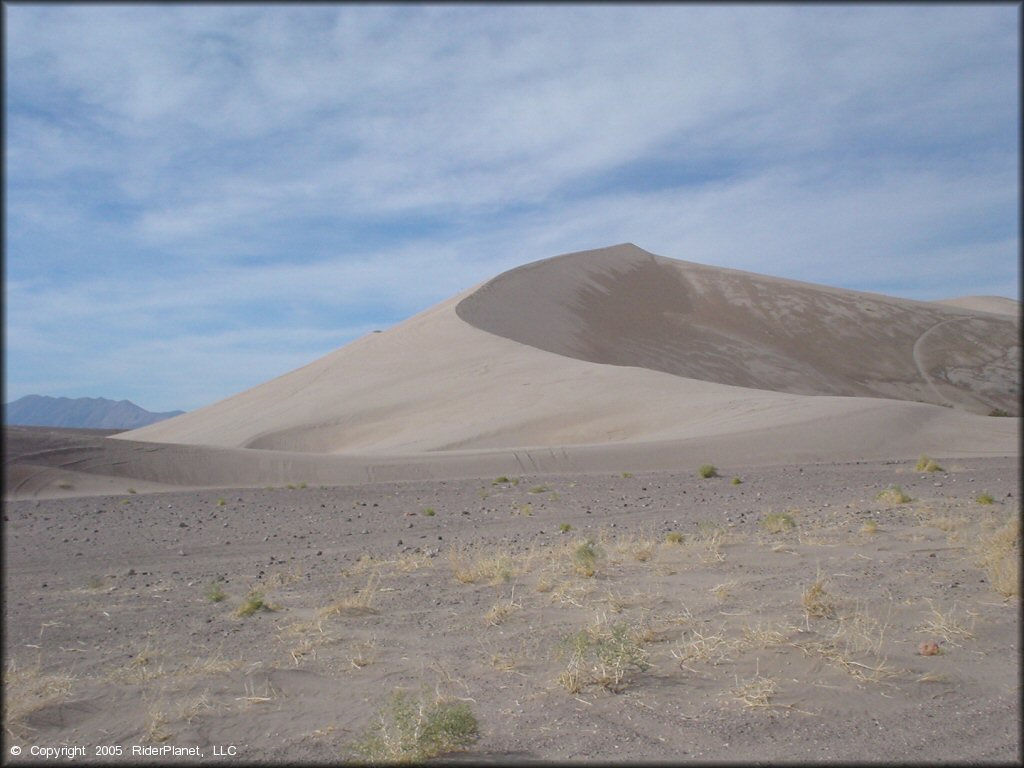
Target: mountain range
80,412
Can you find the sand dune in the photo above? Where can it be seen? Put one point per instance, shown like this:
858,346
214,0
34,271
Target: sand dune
597,361
617,345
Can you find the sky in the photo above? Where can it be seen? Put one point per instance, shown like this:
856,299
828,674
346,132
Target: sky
200,198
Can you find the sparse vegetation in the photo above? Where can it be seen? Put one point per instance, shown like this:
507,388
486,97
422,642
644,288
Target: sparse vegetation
737,481
998,412
429,512
984,498
413,729
564,528
777,522
358,603
221,502
493,565
707,470
501,481
999,554
585,558
214,592
927,464
893,495
603,655
253,602
627,475
674,537
539,489
817,602
870,526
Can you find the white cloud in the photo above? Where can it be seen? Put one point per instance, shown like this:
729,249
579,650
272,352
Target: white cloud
184,170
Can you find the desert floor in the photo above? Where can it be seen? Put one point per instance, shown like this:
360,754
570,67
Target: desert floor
779,618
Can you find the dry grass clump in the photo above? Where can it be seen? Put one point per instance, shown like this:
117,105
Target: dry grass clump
984,498
869,527
927,464
711,647
674,537
949,625
817,602
586,558
26,690
999,554
413,729
502,609
777,522
893,495
492,565
253,603
359,603
602,654
707,470
756,692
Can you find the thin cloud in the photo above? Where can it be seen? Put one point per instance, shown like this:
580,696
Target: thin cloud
185,172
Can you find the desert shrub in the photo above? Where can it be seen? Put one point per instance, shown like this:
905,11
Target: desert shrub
817,602
585,558
777,522
413,729
893,495
429,512
737,481
998,412
603,655
984,498
253,602
214,593
708,470
927,464
674,537
470,565
870,526
564,528
501,481
999,554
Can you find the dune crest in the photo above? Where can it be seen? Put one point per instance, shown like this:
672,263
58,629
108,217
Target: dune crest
624,306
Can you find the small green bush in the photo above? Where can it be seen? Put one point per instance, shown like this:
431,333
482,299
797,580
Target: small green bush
737,481
585,558
708,470
412,729
602,655
777,522
214,593
564,528
253,602
927,464
501,481
674,537
429,512
985,498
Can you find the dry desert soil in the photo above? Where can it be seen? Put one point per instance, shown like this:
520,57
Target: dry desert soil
779,618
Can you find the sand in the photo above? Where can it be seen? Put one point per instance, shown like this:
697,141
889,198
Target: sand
408,508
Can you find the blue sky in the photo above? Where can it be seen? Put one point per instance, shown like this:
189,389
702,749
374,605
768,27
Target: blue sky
201,198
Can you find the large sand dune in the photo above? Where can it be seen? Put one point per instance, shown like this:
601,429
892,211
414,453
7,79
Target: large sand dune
604,359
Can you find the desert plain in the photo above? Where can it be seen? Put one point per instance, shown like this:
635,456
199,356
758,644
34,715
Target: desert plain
605,507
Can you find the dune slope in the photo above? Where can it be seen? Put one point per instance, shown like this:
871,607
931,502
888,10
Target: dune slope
618,346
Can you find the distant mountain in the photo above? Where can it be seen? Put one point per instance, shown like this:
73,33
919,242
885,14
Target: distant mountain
83,412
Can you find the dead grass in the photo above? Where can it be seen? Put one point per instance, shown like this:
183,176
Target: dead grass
362,602
28,689
950,625
999,554
817,602
470,566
